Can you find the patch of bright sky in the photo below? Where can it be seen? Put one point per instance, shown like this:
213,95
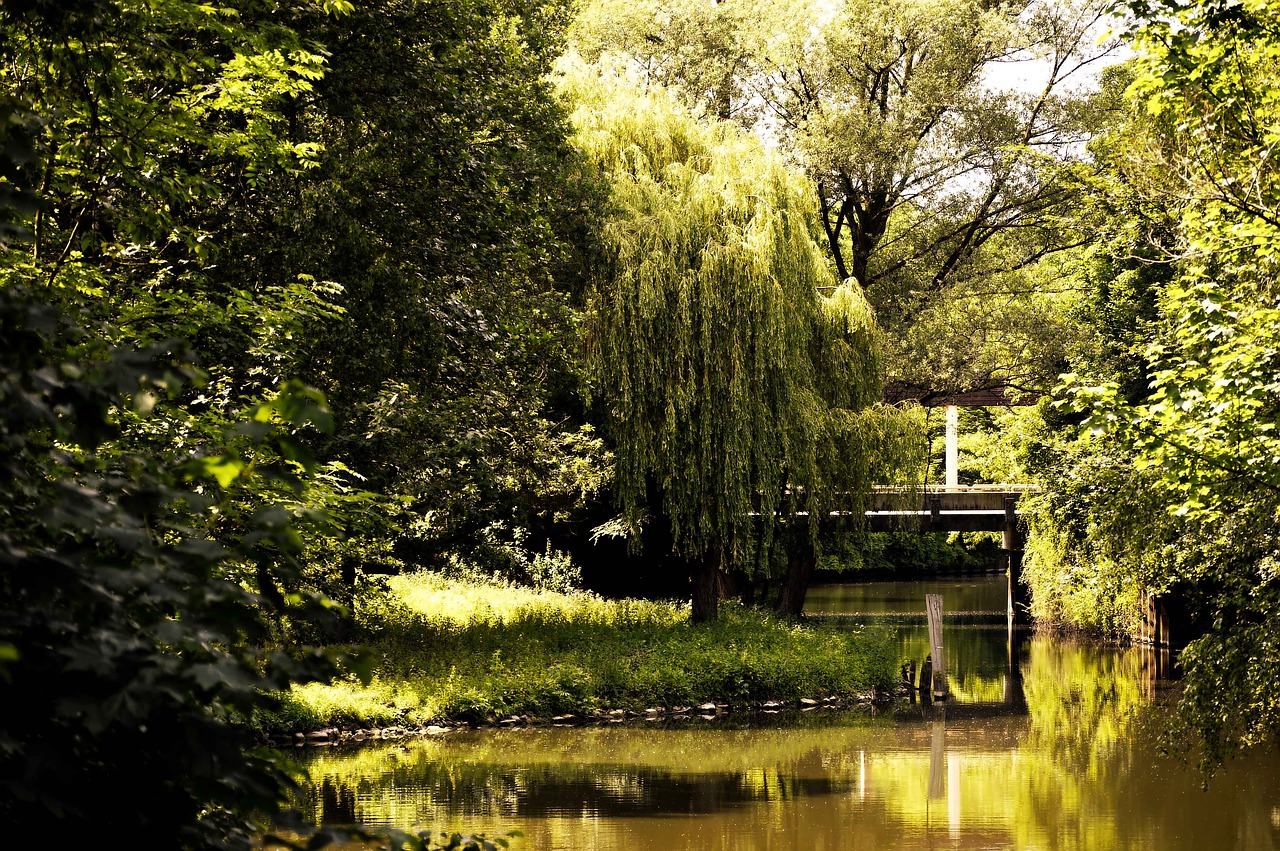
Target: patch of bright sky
1026,73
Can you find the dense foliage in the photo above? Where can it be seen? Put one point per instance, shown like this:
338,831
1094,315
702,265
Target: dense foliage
730,381
451,211
150,548
135,633
1173,488
182,186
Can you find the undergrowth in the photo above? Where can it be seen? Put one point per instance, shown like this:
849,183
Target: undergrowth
451,650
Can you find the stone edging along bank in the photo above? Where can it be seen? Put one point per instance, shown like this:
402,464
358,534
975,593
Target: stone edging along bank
709,711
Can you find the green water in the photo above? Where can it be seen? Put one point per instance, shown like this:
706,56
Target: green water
1053,745
980,656
986,594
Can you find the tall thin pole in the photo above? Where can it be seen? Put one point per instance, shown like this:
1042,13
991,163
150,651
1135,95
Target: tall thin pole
933,605
953,446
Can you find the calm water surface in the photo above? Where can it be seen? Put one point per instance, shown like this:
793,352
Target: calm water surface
1045,744
987,594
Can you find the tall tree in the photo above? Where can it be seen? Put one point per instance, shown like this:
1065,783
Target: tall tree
727,379
448,207
925,158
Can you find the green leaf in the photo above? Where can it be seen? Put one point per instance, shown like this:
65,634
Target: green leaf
298,453
224,468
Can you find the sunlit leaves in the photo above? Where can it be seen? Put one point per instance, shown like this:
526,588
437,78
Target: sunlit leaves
165,102
1211,71
224,468
726,375
1196,446
1209,424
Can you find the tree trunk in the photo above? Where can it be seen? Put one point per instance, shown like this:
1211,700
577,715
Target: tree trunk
708,586
795,585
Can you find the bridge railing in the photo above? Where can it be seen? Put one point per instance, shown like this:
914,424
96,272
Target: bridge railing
955,508
955,498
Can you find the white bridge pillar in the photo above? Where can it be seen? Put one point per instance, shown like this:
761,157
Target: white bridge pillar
953,446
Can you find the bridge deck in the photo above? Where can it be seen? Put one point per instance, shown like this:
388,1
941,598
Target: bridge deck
954,498
956,508
962,508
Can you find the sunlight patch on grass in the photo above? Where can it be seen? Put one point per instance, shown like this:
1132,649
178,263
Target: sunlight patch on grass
468,602
449,650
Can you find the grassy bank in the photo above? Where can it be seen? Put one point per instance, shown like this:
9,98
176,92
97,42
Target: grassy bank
455,651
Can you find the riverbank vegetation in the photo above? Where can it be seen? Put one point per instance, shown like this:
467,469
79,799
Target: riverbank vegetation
449,651
1171,489
1059,765
296,294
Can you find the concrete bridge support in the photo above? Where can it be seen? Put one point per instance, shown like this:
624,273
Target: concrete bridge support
952,453
1014,545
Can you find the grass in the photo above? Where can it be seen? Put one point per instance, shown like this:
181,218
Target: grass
449,651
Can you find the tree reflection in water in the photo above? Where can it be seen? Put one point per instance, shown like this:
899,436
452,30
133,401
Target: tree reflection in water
1068,760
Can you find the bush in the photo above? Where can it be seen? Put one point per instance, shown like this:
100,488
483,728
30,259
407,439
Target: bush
132,643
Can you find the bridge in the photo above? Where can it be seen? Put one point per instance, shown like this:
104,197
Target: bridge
958,508
952,507
961,508
946,508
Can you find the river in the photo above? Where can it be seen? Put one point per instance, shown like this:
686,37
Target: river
1045,744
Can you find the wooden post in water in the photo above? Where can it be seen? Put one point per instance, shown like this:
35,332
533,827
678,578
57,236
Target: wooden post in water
933,605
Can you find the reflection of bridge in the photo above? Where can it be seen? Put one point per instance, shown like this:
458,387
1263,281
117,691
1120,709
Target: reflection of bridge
1012,700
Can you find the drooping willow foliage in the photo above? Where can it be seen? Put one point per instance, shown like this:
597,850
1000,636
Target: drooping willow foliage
736,393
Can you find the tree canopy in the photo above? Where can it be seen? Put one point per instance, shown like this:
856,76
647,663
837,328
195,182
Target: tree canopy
934,174
726,376
1181,406
451,211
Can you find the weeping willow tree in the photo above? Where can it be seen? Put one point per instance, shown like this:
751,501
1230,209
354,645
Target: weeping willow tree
737,395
